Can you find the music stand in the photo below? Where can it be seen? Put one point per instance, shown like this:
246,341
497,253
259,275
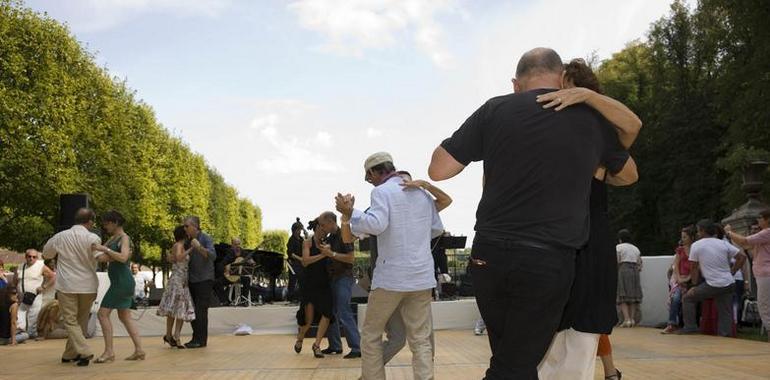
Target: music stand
448,242
452,242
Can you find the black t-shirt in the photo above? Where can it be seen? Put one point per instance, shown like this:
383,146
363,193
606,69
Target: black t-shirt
338,268
294,246
538,165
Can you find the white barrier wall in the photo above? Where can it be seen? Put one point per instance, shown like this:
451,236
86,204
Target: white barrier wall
459,314
655,289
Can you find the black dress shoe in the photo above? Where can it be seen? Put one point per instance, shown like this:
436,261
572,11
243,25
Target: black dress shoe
63,360
330,351
194,345
353,355
84,361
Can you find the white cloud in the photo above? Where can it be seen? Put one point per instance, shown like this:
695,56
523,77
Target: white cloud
351,27
373,132
282,149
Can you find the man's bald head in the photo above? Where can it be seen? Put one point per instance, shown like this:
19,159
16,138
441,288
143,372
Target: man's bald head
84,216
539,61
328,216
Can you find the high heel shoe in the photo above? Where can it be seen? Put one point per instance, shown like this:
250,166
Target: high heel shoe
298,346
105,359
137,356
317,351
170,340
178,342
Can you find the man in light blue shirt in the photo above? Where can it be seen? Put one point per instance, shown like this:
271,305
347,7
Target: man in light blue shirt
404,223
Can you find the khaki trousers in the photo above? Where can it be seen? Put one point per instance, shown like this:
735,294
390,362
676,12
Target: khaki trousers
75,310
415,311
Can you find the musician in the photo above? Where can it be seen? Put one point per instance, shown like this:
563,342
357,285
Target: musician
294,250
234,262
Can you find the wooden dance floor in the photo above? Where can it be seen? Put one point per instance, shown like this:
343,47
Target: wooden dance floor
640,353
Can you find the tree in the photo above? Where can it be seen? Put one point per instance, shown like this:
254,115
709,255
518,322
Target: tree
275,241
66,126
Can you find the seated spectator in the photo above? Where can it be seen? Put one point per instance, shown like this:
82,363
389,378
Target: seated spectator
10,333
49,322
711,257
680,278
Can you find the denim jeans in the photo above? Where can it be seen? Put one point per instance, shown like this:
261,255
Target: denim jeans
20,338
676,307
342,289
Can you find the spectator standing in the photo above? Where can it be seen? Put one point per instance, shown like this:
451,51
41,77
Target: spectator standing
759,248
33,278
629,284
294,251
142,281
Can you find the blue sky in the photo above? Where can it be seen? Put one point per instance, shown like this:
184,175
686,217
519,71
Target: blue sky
286,99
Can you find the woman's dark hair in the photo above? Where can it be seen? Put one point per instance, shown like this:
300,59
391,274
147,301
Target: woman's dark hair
691,232
179,233
765,214
720,231
581,75
114,217
624,236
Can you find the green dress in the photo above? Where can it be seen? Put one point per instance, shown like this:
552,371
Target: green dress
120,295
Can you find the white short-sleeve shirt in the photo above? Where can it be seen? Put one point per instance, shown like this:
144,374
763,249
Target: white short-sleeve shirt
713,257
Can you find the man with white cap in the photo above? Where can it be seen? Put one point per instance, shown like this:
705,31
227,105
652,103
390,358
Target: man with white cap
404,223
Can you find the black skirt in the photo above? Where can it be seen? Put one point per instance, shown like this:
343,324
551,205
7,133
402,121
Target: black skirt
317,290
591,308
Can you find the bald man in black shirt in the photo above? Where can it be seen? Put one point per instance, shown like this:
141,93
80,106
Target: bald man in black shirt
533,214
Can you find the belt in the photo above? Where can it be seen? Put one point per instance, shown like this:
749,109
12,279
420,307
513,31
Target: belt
510,243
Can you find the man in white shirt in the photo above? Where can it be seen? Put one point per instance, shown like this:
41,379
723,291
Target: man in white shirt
141,281
33,277
77,250
711,257
404,223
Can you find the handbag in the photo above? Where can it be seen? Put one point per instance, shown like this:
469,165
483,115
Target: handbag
28,298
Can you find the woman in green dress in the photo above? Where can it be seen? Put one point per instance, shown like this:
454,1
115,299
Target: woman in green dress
121,292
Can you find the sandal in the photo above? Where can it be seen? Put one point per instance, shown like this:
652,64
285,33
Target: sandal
616,376
317,351
171,341
298,346
137,356
105,359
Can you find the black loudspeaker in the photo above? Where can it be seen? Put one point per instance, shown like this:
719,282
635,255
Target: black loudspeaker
68,206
